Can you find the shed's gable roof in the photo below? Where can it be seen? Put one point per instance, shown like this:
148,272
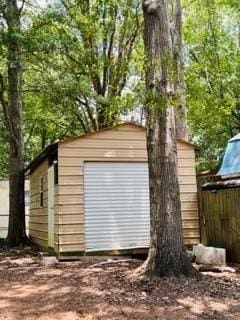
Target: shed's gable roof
49,149
138,127
133,124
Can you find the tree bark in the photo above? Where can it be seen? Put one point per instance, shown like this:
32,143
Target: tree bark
167,255
179,82
16,228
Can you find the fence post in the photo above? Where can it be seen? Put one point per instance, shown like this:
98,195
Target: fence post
202,217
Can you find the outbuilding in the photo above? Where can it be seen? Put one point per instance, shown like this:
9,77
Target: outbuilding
4,207
89,194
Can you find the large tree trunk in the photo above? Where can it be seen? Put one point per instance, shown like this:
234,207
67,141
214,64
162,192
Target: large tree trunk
167,256
179,82
16,228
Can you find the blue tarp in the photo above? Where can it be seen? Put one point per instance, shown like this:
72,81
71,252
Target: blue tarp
231,160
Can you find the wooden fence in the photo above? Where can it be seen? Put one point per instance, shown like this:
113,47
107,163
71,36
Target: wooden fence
220,220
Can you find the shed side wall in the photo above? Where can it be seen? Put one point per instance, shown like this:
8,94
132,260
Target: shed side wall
124,143
38,216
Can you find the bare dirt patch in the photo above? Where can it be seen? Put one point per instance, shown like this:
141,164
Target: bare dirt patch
82,291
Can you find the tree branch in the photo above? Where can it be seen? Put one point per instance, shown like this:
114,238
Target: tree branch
21,7
4,102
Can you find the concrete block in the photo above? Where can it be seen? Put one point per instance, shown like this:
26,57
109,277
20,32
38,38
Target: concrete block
49,261
42,254
209,255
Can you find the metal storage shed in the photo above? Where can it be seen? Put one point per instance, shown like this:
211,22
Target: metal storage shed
90,193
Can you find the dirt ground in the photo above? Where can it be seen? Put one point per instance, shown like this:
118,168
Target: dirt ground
85,291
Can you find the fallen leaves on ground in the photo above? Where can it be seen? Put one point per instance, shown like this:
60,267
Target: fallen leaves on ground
88,290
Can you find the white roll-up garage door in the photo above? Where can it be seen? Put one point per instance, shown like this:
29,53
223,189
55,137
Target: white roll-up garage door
116,201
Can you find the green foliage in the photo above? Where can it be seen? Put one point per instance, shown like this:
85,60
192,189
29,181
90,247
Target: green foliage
84,69
212,76
79,60
88,53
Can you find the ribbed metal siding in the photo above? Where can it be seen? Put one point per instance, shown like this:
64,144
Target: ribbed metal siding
116,205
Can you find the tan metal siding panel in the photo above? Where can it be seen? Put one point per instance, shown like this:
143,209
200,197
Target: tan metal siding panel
71,247
38,226
70,189
70,208
189,206
188,196
187,179
87,143
64,170
69,219
70,229
39,241
39,218
187,188
187,171
71,180
70,199
115,152
190,214
191,224
71,239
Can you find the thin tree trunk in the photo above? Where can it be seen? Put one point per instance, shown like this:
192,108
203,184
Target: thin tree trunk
179,82
16,228
107,115
167,256
43,138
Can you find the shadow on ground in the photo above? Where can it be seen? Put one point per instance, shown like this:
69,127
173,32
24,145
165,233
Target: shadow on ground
79,290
